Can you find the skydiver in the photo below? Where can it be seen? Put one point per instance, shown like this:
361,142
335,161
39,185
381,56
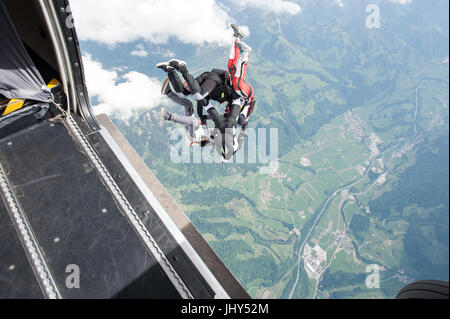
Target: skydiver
217,85
237,67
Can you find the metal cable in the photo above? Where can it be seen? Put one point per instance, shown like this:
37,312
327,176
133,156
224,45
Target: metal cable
29,242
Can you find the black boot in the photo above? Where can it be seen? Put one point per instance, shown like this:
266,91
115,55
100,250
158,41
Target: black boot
178,64
165,67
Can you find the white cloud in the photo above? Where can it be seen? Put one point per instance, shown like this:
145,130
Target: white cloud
117,21
164,52
195,21
139,51
120,95
276,6
339,3
169,53
403,2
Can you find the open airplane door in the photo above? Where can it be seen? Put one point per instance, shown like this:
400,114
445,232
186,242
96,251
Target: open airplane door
81,216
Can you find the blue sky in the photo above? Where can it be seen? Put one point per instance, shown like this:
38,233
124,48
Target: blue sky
120,90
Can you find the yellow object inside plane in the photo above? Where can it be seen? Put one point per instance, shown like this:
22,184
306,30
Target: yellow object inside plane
16,104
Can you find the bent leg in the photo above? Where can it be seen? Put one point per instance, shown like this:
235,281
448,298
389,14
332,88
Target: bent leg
243,88
190,122
237,67
237,62
185,120
205,89
175,81
193,85
233,59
